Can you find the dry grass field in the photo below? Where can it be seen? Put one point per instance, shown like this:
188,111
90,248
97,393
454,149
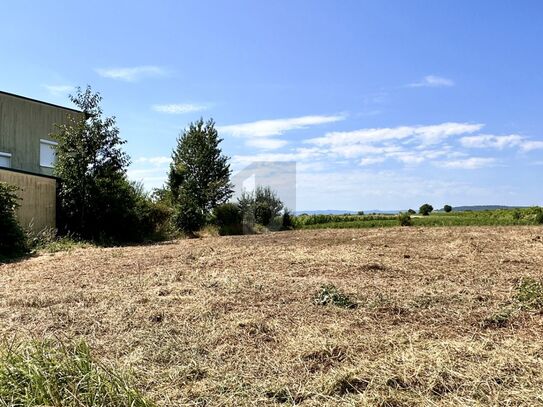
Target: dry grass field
442,316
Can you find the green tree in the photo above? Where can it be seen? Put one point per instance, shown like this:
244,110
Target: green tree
199,177
96,200
411,211
260,206
12,237
426,209
447,208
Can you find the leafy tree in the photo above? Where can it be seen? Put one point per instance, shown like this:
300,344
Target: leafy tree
12,237
260,206
199,177
426,209
411,211
447,208
96,200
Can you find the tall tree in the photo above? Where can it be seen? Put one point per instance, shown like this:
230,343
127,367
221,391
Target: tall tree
94,195
199,178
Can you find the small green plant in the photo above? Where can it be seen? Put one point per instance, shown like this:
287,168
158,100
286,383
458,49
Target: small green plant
405,219
329,294
447,208
517,214
61,375
499,319
530,294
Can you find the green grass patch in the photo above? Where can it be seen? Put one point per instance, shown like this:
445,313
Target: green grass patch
53,374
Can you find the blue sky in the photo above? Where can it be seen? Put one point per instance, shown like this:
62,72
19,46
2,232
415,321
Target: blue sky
381,104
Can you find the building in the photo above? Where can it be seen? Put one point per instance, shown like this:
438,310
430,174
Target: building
27,154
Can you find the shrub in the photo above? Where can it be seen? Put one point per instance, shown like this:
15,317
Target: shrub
287,223
329,294
229,219
52,374
12,238
426,209
447,208
405,219
411,211
539,217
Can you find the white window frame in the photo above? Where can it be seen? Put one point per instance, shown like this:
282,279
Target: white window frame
8,155
49,142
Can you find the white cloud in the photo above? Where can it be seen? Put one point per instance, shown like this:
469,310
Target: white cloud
491,141
371,160
59,90
160,160
131,74
531,145
276,127
260,134
471,163
179,108
266,143
432,81
425,134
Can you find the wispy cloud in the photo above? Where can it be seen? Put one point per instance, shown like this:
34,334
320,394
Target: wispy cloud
131,74
531,145
432,81
471,163
276,127
425,134
371,160
59,90
491,141
179,108
263,133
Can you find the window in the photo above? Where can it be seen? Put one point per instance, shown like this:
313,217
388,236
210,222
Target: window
47,153
5,160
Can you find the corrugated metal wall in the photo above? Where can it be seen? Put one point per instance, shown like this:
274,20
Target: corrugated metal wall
38,204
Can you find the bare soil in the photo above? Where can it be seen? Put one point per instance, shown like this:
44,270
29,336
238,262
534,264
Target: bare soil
232,320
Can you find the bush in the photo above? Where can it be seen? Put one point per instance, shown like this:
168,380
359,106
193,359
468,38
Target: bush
447,208
229,219
287,223
539,217
426,209
12,238
411,211
52,374
405,219
329,294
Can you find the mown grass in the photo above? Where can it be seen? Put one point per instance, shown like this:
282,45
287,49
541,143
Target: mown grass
501,217
46,373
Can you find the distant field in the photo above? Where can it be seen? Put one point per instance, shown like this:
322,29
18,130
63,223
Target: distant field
407,316
500,217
